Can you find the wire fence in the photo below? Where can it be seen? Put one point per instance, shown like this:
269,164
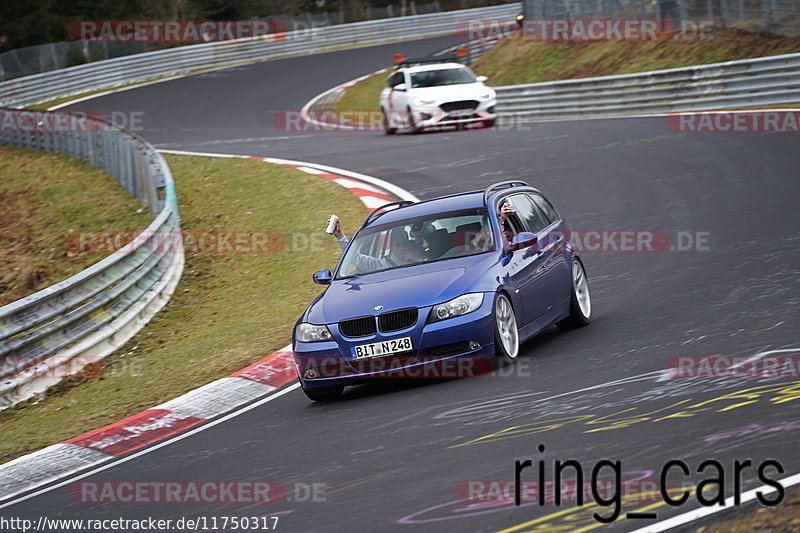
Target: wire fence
781,17
31,60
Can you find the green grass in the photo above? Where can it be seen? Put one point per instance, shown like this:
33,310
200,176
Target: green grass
228,311
514,61
363,96
48,199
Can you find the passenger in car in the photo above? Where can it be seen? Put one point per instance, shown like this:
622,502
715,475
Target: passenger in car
507,227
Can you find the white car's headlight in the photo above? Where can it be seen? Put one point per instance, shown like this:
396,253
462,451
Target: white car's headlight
466,303
489,94
312,333
418,100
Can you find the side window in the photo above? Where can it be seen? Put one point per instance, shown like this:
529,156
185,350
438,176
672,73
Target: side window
546,207
532,219
395,80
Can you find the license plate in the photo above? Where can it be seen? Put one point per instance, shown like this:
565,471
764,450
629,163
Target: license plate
377,349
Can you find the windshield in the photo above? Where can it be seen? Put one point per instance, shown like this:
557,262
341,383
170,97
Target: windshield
435,78
416,241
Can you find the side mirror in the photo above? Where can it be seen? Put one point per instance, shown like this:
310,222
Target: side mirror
322,277
482,79
400,87
523,240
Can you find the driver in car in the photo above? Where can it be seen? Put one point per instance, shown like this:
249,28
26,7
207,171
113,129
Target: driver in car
402,251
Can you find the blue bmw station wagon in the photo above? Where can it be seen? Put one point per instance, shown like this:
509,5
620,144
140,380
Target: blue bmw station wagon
433,284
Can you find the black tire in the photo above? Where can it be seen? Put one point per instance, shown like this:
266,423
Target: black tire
412,126
323,395
577,318
388,129
506,352
489,123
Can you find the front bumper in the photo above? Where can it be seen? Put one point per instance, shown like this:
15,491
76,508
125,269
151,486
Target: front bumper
440,350
431,116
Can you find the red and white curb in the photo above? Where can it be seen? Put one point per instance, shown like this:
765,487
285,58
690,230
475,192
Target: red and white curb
304,112
372,191
257,381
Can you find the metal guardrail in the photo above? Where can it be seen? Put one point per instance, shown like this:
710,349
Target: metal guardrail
150,65
474,48
761,81
30,60
56,331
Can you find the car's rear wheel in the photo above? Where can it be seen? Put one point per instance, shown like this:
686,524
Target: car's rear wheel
412,123
386,125
323,395
506,334
580,301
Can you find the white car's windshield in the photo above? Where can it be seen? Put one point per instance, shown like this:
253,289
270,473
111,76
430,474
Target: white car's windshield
435,78
416,241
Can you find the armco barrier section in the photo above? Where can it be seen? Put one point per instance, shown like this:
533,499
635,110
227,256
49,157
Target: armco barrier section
58,330
749,82
150,65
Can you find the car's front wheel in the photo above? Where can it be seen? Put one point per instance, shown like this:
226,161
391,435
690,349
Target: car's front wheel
387,127
322,395
580,302
412,123
506,334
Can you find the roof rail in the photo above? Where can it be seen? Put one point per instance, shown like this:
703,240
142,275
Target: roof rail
424,60
401,203
498,185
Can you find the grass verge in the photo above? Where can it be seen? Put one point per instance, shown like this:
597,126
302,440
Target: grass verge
363,96
784,518
46,199
514,61
229,310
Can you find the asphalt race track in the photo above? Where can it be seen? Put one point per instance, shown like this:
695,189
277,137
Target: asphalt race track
401,455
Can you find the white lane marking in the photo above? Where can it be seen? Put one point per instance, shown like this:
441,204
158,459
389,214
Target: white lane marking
392,188
372,202
310,170
645,115
204,154
353,184
341,87
702,512
167,442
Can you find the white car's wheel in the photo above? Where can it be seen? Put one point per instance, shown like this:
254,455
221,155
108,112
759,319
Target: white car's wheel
412,122
387,127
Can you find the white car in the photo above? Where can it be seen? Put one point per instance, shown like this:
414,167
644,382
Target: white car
419,96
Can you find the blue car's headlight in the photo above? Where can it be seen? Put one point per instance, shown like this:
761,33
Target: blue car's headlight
466,303
312,333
